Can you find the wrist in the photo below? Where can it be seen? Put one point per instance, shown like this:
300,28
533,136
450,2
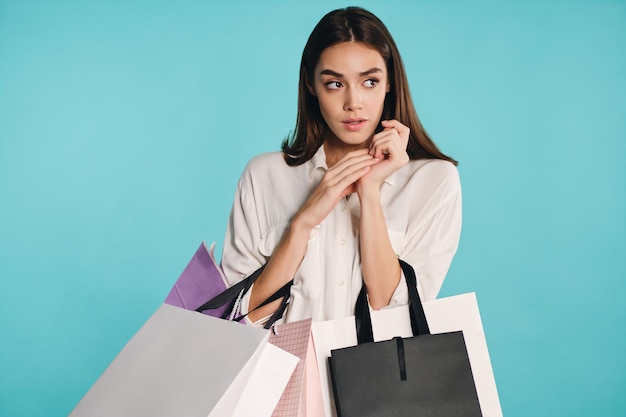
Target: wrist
299,226
369,193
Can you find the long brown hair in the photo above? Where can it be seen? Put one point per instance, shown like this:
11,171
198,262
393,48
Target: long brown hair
354,24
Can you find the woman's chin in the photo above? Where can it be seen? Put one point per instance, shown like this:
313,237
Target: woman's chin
353,139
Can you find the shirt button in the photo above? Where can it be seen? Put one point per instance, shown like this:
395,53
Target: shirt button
341,283
342,242
344,208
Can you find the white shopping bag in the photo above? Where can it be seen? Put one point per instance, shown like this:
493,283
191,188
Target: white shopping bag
443,315
182,363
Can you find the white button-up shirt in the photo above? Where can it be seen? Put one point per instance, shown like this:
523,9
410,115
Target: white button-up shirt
422,207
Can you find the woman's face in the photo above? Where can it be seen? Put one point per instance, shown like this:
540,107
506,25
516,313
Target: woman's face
350,83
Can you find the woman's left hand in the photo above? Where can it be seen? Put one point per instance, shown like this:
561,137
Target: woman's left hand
390,147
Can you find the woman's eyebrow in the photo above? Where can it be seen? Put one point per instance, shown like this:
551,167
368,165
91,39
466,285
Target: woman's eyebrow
371,71
332,73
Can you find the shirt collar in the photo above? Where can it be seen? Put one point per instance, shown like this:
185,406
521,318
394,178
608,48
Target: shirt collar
391,180
318,162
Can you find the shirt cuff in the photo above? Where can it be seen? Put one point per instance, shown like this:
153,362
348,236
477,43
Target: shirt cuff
400,296
244,308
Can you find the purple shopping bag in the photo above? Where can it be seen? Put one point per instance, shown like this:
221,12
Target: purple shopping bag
201,280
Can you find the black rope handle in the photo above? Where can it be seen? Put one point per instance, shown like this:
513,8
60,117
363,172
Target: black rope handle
363,319
284,292
231,294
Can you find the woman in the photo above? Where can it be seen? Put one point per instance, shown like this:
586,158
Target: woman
359,185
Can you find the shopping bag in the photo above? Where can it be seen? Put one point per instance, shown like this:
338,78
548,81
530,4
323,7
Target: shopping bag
444,315
303,395
203,287
181,363
427,374
200,281
311,398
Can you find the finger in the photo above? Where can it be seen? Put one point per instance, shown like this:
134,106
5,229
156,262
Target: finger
352,172
350,180
383,149
352,154
385,145
347,163
402,135
379,138
402,129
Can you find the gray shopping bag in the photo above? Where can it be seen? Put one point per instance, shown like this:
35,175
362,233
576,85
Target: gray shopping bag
182,363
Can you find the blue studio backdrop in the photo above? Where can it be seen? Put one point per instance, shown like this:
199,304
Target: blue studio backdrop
124,127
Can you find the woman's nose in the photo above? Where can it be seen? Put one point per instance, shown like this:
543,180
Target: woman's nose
353,100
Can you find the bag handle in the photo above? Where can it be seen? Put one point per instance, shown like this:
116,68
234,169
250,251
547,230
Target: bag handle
419,325
284,292
231,294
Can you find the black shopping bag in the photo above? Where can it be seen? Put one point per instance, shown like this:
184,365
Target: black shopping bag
424,375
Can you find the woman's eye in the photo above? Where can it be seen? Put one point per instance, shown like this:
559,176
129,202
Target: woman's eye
333,85
371,82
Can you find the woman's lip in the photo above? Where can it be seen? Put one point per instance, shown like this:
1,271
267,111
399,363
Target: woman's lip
354,125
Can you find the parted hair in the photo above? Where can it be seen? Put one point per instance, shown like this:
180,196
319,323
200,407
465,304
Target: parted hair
354,24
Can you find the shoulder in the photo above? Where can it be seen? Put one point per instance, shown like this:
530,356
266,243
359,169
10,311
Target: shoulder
434,171
262,165
264,161
428,183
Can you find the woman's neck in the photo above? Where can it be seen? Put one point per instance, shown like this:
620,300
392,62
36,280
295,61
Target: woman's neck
335,149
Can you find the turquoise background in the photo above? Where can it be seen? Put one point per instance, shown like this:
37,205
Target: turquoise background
124,127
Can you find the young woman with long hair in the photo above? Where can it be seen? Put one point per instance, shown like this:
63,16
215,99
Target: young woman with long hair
358,185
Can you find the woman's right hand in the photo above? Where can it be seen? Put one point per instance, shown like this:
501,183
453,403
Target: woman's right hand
338,182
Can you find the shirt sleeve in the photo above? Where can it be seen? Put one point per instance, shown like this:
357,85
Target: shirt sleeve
433,233
241,255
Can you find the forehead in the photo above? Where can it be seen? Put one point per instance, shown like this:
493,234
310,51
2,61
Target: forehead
350,58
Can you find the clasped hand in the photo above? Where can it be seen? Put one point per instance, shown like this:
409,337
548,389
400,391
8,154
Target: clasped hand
362,171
